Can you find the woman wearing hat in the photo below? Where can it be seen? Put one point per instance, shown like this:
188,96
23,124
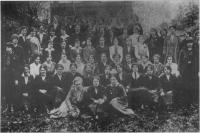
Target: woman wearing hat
73,101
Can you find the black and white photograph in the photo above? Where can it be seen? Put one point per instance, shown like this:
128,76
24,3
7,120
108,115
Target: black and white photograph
100,66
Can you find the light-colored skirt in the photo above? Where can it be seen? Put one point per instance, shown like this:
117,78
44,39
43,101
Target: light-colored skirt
122,106
64,111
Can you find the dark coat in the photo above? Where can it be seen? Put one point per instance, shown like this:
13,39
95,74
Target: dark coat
104,81
131,52
91,94
26,88
126,68
151,84
70,77
125,79
44,41
168,85
114,92
134,82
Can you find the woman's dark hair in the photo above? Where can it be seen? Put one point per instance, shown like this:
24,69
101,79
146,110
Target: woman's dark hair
43,66
36,56
139,28
96,77
73,64
59,66
26,66
168,68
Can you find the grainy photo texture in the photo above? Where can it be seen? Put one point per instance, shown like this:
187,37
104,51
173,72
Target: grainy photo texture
100,66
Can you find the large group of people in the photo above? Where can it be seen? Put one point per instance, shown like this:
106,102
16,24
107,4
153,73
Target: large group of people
91,67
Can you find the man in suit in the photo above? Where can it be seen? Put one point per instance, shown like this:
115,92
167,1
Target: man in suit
103,63
128,49
127,64
24,89
23,42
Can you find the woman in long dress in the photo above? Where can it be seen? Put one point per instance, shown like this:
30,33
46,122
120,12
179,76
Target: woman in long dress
73,101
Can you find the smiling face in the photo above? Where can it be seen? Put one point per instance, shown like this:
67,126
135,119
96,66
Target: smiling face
169,60
26,71
43,71
113,80
95,82
37,60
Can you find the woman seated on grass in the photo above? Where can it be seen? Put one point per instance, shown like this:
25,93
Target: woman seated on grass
73,102
116,97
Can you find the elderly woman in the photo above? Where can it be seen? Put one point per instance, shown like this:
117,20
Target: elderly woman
73,101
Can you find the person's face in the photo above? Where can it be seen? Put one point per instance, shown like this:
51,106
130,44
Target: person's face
37,60
15,41
73,68
33,33
115,42
153,33
113,80
24,32
128,58
49,59
171,31
95,82
101,41
63,45
51,45
26,70
189,45
77,43
107,70
52,33
135,68
77,29
169,60
144,59
88,69
167,71
77,84
89,43
59,70
91,59
156,59
42,72
141,40
78,58
135,30
128,42
149,71
103,57
64,57
62,31
119,69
